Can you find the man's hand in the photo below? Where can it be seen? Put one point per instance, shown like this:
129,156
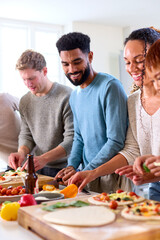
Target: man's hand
82,178
39,162
15,160
65,174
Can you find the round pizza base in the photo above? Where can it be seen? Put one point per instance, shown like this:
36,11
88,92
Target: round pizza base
6,180
88,216
137,218
93,201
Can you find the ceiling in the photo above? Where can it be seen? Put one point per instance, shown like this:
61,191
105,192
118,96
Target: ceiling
120,13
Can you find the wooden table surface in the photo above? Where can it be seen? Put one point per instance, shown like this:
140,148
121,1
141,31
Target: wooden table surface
18,181
31,218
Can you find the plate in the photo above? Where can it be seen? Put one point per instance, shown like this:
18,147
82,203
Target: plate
45,197
14,198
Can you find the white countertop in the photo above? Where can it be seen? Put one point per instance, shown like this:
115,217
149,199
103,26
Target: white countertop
12,230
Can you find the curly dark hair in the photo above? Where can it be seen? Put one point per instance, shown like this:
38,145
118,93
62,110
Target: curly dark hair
148,35
72,41
31,59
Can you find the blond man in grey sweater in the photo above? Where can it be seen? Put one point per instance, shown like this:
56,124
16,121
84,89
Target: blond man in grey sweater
47,122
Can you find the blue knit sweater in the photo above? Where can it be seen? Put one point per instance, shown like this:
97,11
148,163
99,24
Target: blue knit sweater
100,122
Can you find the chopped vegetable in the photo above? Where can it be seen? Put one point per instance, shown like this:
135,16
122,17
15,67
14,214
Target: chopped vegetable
70,191
48,187
146,169
64,205
9,211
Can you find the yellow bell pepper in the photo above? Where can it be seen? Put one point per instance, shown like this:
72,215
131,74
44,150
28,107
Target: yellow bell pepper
9,211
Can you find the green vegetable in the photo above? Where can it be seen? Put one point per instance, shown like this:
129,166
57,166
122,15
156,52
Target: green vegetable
64,205
6,202
146,169
127,199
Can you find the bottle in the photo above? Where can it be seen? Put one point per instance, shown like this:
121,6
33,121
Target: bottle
31,179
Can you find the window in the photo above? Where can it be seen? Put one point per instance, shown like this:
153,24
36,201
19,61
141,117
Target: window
15,38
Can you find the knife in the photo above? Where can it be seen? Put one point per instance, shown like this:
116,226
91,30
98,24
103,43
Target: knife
55,182
86,191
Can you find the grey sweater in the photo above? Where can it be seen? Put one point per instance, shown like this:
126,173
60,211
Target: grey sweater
9,125
47,122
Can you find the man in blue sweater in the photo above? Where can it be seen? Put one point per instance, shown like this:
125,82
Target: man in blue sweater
99,106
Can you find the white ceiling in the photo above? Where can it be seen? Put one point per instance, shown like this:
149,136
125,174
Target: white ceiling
121,13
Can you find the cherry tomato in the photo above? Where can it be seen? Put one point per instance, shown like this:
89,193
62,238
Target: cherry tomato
19,188
132,194
104,194
1,187
119,191
3,191
14,191
113,204
8,192
22,191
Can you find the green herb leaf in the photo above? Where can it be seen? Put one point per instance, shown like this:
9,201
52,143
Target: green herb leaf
146,169
127,199
64,205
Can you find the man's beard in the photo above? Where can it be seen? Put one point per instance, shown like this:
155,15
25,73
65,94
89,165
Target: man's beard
84,77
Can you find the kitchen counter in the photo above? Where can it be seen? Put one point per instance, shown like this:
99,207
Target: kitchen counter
12,230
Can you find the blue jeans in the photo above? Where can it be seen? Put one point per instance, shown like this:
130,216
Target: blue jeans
48,171
154,191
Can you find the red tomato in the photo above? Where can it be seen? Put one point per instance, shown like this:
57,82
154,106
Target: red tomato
1,187
19,188
132,194
113,204
104,194
119,191
8,192
3,191
14,191
22,191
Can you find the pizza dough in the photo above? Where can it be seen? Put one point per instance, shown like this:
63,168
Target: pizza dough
114,196
88,216
6,180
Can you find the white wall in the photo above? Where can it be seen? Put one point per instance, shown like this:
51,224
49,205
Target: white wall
106,43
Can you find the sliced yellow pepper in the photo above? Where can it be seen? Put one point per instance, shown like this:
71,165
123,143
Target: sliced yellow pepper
9,211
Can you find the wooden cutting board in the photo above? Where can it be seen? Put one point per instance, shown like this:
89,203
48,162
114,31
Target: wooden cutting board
17,181
31,218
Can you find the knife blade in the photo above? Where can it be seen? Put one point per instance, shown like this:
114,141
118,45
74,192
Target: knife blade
86,191
55,182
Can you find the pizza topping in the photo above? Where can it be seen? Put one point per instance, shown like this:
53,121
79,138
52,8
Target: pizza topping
113,204
121,197
119,191
2,178
145,209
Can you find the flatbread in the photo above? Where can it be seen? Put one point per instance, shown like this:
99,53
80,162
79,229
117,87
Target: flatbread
145,211
6,180
88,216
115,196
